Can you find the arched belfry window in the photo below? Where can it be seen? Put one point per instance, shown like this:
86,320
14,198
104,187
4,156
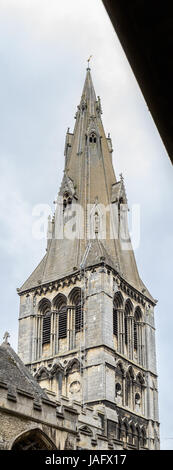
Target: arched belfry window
45,310
115,322
46,328
76,301
78,317
62,330
137,319
117,304
93,138
137,333
127,312
135,336
60,305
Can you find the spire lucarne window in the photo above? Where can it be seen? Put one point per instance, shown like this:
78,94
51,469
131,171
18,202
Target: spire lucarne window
93,138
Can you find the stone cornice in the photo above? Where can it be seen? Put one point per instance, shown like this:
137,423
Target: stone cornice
72,278
117,356
52,285
37,419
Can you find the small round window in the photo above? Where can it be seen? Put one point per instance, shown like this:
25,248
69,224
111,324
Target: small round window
137,399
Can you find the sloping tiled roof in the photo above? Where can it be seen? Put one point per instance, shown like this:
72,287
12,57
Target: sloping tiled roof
14,373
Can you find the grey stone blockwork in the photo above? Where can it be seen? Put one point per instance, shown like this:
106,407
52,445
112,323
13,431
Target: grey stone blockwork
95,350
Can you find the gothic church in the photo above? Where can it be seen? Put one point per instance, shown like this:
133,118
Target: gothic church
86,324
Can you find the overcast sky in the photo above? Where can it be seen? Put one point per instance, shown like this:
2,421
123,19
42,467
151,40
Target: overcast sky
44,46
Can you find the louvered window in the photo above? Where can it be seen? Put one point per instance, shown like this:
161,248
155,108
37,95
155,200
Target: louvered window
135,336
46,328
78,317
115,322
126,328
62,333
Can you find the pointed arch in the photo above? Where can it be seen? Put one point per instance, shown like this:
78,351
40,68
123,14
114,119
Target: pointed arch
33,439
140,379
128,307
118,301
57,372
132,425
59,301
44,306
137,319
92,138
42,373
131,372
128,310
120,367
93,131
73,363
75,296
138,313
86,430
57,367
138,335
67,200
60,305
76,300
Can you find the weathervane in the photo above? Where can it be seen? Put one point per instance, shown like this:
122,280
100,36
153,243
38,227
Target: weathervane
89,60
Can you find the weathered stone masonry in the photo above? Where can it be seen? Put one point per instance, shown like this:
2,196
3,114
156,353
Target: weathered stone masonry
86,322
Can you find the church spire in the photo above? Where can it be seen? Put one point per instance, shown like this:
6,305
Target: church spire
88,94
87,150
89,182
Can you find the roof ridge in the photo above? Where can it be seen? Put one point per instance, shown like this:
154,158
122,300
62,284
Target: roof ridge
23,369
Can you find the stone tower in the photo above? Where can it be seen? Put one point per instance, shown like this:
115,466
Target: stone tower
86,324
